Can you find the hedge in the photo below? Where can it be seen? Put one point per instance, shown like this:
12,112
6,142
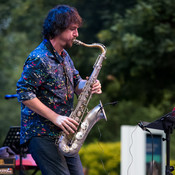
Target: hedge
101,158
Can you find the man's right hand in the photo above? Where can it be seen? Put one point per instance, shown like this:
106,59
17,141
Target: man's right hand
66,124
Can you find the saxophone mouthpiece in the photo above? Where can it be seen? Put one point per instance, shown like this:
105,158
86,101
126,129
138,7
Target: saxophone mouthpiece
77,42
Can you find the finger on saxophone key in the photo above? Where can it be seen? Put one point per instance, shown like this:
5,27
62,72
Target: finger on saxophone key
66,124
96,87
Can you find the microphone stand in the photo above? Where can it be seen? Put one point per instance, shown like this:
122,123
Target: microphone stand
169,168
167,124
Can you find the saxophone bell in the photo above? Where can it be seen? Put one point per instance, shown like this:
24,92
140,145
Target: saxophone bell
101,113
93,116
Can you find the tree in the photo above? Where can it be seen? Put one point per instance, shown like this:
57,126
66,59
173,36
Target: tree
141,47
140,70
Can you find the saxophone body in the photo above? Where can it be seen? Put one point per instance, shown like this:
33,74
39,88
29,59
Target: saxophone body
70,144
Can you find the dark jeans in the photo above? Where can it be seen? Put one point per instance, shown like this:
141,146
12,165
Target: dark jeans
50,160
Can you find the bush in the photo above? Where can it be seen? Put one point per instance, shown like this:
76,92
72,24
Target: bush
172,163
101,158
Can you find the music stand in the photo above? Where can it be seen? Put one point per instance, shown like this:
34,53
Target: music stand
167,124
12,140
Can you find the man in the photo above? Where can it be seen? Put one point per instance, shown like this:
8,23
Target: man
46,90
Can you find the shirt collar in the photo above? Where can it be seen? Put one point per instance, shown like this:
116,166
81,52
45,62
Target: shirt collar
54,52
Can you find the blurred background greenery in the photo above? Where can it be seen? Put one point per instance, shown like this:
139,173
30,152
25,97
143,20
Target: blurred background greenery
140,39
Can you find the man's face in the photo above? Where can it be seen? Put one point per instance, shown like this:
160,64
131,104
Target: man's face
67,36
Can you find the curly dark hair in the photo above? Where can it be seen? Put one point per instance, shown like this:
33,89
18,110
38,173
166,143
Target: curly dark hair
58,19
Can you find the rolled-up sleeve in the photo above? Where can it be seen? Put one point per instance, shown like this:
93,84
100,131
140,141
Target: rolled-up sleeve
32,77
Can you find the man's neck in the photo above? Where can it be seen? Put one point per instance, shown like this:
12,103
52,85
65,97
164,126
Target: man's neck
55,43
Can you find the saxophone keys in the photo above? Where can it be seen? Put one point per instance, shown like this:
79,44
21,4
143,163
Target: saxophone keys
74,146
66,148
77,119
79,113
84,125
79,135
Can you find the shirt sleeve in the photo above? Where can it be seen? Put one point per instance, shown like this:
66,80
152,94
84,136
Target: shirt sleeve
32,77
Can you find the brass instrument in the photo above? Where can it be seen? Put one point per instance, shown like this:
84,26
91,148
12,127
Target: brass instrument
71,144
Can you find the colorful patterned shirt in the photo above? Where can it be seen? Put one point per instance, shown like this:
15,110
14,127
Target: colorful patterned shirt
52,79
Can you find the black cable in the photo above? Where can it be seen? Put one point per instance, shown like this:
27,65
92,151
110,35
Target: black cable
102,107
111,103
106,172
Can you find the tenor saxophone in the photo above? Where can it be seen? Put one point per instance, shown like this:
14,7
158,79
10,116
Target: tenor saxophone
70,144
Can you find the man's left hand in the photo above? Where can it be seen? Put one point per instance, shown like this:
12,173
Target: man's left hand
96,87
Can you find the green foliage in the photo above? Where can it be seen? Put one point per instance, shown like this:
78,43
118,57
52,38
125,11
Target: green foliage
141,60
138,45
125,112
101,158
138,71
172,163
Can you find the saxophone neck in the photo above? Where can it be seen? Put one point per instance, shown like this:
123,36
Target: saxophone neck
95,45
99,60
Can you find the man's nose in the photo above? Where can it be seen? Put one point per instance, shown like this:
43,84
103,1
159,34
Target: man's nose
76,33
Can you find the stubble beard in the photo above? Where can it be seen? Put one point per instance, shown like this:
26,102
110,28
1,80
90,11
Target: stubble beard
68,44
